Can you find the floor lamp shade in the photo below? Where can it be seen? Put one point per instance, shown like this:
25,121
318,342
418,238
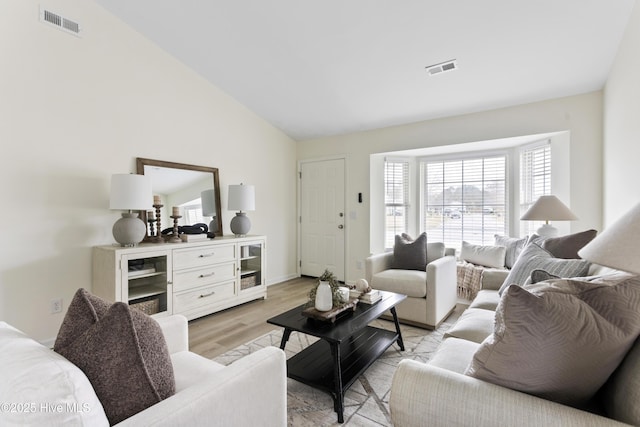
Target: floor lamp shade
548,208
241,198
130,192
617,246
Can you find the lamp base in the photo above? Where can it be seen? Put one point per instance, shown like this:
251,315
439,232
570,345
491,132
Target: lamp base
129,230
240,224
547,230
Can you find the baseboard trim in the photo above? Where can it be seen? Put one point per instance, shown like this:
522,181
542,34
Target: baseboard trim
281,279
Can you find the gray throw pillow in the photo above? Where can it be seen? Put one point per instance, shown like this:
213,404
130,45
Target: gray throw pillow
84,311
538,276
513,246
410,255
560,339
533,257
123,354
568,246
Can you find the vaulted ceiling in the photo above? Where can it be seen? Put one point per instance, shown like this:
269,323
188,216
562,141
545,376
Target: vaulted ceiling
319,68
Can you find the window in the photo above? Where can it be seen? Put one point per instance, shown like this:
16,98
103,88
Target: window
535,181
192,213
396,199
465,199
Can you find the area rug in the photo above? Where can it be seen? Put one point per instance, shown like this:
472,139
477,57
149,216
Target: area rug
366,402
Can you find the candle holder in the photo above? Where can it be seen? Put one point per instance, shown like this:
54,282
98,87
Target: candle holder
158,237
175,238
152,229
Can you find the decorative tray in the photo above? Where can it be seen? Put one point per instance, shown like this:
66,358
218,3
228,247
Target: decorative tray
331,315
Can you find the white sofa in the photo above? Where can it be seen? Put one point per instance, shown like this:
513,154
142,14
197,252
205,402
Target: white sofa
40,387
438,393
431,294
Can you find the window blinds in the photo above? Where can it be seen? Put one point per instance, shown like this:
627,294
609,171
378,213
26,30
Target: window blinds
396,186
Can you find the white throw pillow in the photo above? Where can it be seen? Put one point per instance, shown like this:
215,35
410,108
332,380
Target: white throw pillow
488,256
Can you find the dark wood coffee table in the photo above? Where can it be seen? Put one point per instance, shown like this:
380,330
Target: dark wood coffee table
345,350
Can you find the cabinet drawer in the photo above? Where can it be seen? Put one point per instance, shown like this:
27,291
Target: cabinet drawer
198,257
187,279
206,295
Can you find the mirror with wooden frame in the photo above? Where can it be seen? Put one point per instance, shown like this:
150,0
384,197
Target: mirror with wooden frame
194,189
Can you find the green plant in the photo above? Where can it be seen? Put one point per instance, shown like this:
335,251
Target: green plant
327,276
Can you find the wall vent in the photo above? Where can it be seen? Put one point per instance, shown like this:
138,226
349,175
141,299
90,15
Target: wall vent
442,67
60,22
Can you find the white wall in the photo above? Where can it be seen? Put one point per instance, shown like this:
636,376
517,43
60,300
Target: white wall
73,111
580,116
622,125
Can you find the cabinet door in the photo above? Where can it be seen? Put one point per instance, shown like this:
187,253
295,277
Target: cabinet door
146,281
252,262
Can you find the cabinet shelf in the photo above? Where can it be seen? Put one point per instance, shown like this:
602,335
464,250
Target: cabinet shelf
145,292
248,272
135,275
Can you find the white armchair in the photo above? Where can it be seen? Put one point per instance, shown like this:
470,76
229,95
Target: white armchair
47,389
250,391
431,294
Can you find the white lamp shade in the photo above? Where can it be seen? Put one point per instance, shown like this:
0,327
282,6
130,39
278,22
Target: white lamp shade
548,208
130,192
617,246
242,198
207,197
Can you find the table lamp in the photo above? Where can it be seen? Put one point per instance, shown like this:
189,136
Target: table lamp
130,192
617,246
241,198
548,208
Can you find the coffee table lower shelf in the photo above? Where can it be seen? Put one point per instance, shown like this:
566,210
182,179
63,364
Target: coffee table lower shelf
314,365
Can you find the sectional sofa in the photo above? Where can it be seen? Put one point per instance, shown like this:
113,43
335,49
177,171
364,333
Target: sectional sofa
445,391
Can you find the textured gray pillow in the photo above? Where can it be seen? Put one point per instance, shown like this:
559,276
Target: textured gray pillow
568,246
123,354
560,339
410,255
85,310
533,257
513,246
487,256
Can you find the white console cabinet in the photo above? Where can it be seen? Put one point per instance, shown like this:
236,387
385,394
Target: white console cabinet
193,279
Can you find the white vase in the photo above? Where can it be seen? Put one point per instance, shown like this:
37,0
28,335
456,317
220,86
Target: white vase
324,297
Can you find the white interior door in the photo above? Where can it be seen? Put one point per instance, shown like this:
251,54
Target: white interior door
322,218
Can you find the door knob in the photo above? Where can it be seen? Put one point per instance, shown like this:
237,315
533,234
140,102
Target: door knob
341,226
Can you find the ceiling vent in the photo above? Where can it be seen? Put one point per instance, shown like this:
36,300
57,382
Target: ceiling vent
60,22
442,67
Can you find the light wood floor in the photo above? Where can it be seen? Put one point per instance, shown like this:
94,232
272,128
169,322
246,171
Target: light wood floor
212,335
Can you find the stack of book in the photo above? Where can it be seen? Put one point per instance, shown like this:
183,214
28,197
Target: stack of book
193,237
371,296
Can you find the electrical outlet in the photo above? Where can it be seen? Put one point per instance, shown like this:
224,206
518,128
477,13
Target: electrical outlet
359,265
56,305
